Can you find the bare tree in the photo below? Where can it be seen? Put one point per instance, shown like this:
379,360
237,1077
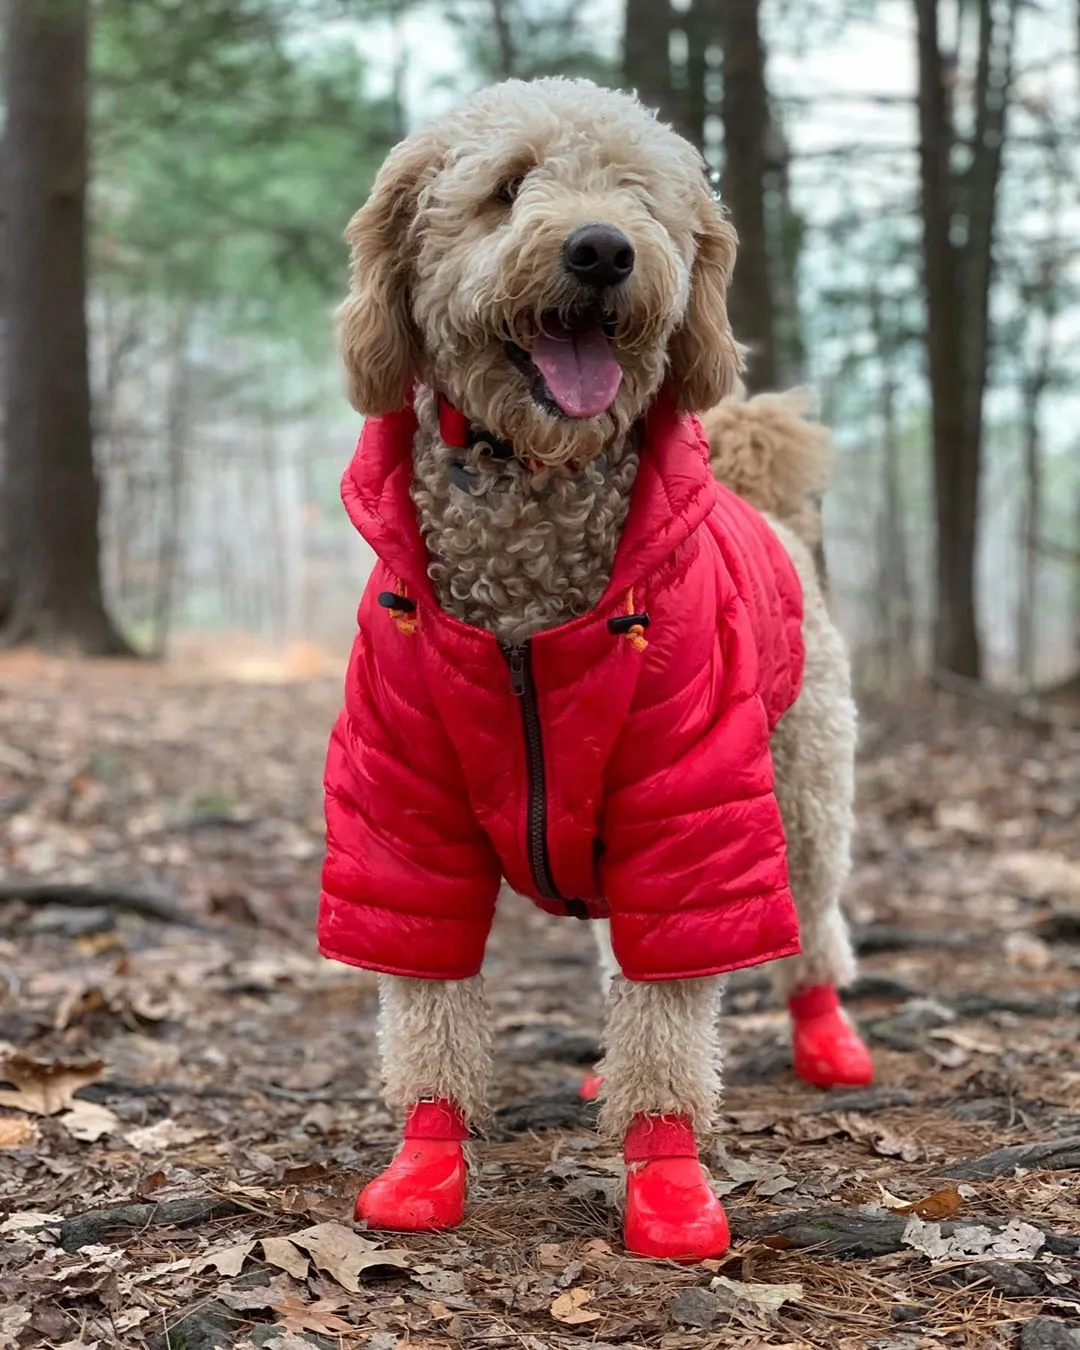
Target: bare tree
51,493
745,112
646,58
959,209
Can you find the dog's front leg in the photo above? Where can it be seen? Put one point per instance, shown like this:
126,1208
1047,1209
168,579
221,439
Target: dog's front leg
661,1087
435,1040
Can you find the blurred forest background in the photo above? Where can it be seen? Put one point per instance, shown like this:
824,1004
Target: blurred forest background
175,179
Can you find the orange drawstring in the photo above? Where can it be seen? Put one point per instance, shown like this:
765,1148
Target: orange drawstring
405,619
636,632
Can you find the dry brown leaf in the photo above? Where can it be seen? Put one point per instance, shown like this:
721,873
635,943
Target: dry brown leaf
45,1087
17,1133
941,1204
89,1121
319,1316
439,1311
281,1253
344,1254
226,1260
570,1309
550,1254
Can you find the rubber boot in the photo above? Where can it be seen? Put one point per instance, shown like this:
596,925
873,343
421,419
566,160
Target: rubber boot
423,1189
590,1087
827,1050
671,1211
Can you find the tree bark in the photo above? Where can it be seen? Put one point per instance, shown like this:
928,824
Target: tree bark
646,61
51,490
504,40
745,113
958,219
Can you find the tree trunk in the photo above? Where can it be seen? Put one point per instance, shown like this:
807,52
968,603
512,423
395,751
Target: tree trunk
177,419
646,61
958,218
504,40
896,602
745,113
51,490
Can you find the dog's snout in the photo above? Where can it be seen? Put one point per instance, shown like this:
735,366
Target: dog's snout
598,255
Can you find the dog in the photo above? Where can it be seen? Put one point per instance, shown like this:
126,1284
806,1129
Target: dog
594,658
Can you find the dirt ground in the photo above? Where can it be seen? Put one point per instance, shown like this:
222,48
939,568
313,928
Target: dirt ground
190,1098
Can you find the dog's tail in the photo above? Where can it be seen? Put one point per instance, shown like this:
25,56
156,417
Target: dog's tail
768,450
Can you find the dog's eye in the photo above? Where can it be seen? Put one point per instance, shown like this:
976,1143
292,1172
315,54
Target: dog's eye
507,191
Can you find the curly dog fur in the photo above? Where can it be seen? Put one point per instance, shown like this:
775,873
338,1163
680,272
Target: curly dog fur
457,254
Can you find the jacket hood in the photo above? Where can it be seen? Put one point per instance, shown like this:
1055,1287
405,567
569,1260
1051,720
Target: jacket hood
672,495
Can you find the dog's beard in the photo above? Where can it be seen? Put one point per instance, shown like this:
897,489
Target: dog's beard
561,384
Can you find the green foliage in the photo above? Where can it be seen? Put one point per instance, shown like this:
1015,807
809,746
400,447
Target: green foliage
544,37
229,153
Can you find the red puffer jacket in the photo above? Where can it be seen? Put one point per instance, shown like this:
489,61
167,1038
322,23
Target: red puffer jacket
617,765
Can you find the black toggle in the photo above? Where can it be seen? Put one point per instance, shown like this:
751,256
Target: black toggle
623,624
577,908
401,603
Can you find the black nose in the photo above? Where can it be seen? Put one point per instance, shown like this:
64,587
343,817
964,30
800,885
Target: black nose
598,255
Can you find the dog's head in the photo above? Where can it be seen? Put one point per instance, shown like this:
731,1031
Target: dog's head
546,257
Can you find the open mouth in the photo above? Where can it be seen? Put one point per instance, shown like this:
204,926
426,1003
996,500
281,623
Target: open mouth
571,370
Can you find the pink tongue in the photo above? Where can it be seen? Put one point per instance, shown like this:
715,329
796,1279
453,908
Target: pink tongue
580,372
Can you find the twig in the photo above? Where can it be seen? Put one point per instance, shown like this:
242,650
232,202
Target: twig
80,895
840,1232
1059,1155
102,1225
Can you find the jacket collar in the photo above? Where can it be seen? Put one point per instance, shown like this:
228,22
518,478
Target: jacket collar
672,495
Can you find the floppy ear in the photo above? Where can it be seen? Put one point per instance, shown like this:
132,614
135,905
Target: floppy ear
377,339
704,359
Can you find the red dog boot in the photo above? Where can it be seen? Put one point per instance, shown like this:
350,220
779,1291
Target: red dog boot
423,1189
828,1051
590,1087
671,1211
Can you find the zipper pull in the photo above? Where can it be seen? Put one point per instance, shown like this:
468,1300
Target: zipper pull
516,657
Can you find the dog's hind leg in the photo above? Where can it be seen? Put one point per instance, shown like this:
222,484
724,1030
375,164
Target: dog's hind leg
609,968
814,758
435,1039
661,1088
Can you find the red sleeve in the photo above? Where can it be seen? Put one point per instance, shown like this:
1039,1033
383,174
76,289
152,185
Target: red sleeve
410,880
695,867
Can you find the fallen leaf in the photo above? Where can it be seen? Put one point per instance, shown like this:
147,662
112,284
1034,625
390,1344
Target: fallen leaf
550,1254
319,1316
880,1138
89,1121
941,1204
226,1260
767,1177
1016,1240
28,1218
16,1133
569,1308
164,1135
45,1087
289,1340
439,1311
768,1297
281,1253
344,1254
978,1042
257,1298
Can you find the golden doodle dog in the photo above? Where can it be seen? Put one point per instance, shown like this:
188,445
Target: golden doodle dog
593,661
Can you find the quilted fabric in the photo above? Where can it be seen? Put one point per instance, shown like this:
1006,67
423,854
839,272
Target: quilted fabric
660,810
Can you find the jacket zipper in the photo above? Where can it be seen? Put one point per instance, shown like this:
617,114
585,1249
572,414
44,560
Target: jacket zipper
519,659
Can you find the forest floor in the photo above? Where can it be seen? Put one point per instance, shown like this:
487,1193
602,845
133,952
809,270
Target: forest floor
191,1102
